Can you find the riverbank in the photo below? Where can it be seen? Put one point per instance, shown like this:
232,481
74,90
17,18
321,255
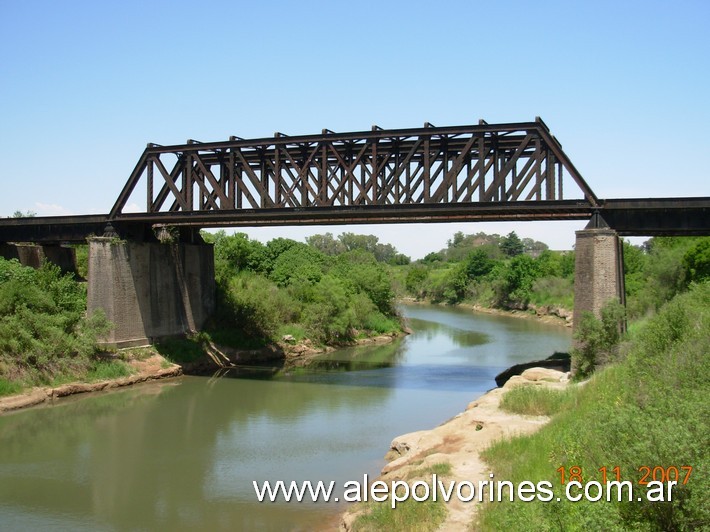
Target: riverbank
287,352
151,365
551,314
144,369
459,442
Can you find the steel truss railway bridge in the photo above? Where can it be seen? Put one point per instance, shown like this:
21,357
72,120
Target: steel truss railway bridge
482,172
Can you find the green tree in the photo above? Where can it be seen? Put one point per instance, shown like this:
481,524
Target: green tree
20,214
414,282
477,264
232,253
517,281
326,244
696,262
264,258
299,264
432,257
511,245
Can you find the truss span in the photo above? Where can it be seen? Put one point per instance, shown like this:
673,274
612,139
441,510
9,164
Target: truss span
507,165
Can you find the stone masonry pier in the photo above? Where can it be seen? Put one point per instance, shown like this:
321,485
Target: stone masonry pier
150,290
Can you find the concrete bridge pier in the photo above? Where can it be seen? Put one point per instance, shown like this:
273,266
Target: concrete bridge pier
599,272
150,290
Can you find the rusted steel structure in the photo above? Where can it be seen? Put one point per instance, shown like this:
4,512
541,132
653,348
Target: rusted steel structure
482,172
509,165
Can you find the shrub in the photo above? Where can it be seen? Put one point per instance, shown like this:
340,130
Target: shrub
255,305
597,339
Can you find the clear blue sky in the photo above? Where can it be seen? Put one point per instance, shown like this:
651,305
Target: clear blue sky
623,85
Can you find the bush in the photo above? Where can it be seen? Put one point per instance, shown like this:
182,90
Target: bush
696,262
597,339
43,328
517,281
255,305
298,265
326,313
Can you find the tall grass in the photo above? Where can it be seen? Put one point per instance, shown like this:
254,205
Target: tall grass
8,387
539,400
108,369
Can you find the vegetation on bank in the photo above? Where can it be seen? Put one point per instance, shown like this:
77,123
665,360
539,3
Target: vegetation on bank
329,290
511,273
650,409
45,336
494,271
410,514
645,405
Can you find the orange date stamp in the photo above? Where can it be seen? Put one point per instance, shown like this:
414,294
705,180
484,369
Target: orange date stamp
677,474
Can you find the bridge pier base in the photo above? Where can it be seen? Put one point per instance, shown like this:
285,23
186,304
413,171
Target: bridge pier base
34,254
150,290
599,272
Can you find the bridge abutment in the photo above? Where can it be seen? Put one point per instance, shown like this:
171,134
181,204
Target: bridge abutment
150,290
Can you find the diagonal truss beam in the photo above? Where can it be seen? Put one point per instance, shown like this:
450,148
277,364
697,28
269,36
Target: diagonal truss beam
454,165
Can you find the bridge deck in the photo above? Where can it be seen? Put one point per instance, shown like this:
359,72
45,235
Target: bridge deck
630,217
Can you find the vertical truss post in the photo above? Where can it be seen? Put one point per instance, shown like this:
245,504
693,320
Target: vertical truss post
550,177
149,187
187,182
427,168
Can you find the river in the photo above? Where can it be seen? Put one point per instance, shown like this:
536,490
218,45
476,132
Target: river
182,454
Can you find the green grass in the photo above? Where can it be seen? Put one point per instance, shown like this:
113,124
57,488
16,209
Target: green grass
296,330
539,400
108,369
9,387
379,323
408,516
440,469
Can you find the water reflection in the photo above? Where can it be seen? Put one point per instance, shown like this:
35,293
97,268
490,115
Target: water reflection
460,337
183,454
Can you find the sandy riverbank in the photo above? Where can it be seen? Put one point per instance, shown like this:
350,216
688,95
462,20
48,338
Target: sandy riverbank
551,314
459,441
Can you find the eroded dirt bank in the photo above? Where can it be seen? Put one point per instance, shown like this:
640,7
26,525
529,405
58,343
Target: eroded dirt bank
153,368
